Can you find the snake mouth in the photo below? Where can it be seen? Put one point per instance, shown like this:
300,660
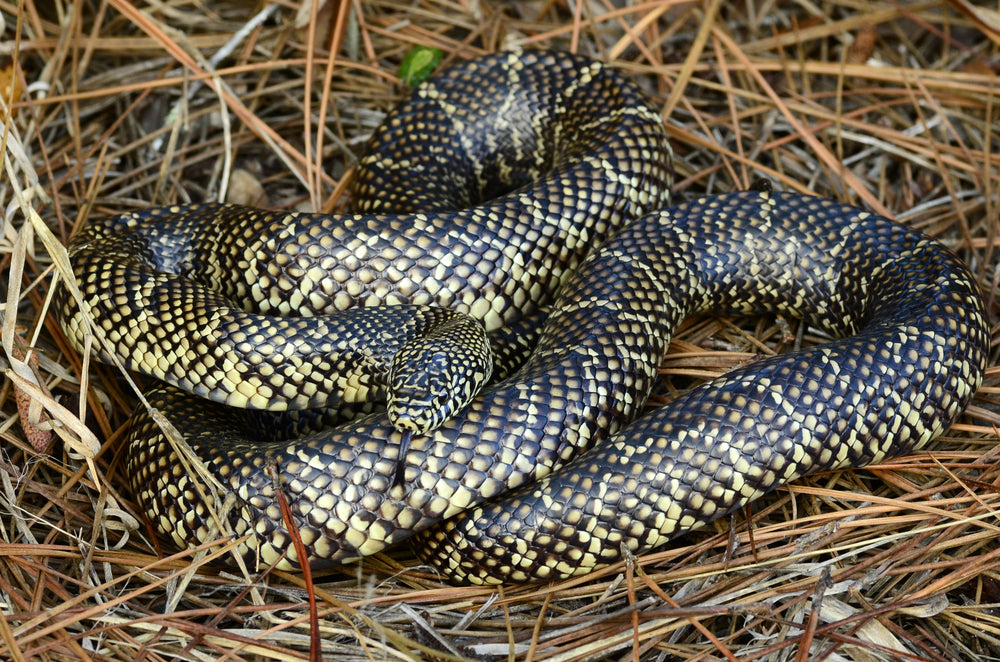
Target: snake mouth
422,408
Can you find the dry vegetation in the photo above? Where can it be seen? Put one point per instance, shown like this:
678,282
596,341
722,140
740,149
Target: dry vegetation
118,106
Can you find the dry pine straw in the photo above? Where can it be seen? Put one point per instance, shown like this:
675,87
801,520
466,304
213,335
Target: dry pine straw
889,106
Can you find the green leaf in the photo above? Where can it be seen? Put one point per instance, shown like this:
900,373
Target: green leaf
419,64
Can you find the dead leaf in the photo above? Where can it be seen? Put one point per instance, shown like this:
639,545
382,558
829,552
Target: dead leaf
863,46
10,88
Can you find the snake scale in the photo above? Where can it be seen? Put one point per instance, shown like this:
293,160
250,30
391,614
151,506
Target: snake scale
527,191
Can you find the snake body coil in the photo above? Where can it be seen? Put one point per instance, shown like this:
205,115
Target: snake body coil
913,354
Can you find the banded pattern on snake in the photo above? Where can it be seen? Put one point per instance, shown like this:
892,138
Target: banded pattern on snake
914,353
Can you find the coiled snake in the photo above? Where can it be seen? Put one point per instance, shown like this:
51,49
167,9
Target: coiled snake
569,156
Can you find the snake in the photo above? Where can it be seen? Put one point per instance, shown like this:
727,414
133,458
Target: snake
528,192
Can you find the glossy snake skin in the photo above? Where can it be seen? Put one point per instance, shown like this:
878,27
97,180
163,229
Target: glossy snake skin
551,157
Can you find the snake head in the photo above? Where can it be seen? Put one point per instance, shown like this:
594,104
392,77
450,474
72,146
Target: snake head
434,377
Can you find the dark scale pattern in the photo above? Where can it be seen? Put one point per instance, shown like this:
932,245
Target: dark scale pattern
913,355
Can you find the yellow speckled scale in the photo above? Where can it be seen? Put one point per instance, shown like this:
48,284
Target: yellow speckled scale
545,473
